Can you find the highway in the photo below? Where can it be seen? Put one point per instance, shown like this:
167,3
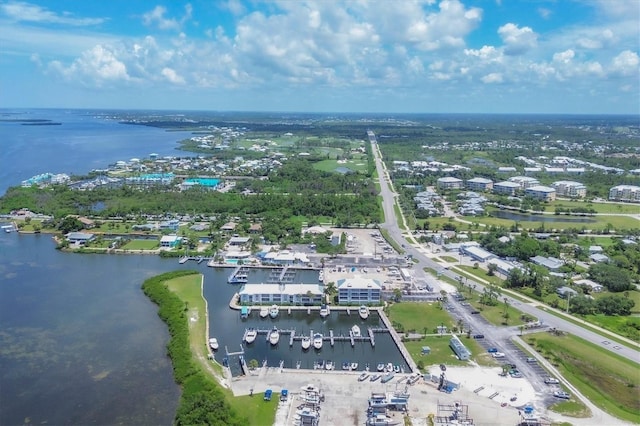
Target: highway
536,309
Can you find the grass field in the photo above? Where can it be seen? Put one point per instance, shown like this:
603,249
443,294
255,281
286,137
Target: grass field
419,317
495,314
615,208
358,166
142,245
441,353
188,290
608,380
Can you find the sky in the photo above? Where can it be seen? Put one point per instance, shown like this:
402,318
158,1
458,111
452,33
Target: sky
387,56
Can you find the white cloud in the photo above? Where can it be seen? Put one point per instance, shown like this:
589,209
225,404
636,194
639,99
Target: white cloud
494,77
564,57
21,11
96,66
544,12
626,64
156,16
517,40
172,76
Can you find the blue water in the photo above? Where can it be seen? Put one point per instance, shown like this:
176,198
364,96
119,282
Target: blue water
209,182
85,141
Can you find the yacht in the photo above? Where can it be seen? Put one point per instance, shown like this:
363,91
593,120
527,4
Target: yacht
353,366
321,275
252,333
364,376
355,331
264,312
389,368
274,336
380,367
213,344
306,342
317,341
363,312
324,311
273,311
329,365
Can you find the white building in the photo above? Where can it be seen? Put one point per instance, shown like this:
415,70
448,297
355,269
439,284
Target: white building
358,291
568,188
506,187
625,193
480,184
294,294
539,192
524,181
450,182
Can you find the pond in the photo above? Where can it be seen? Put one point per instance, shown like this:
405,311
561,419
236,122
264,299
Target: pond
523,217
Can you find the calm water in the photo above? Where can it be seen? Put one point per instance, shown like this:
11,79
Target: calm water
83,142
504,214
80,343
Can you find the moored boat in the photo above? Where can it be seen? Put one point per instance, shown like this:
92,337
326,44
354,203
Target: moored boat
252,333
264,312
324,311
396,368
355,331
306,342
353,366
363,377
213,344
387,378
375,377
389,368
273,311
380,366
345,365
329,365
274,336
317,341
363,311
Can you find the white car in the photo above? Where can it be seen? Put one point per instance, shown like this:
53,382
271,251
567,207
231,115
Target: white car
551,381
498,355
561,394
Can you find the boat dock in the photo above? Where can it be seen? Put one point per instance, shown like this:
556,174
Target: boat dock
199,259
372,337
396,339
293,335
331,338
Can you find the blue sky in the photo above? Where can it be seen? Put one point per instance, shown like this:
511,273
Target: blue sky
422,56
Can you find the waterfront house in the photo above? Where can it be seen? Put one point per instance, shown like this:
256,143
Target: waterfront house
359,291
169,241
79,238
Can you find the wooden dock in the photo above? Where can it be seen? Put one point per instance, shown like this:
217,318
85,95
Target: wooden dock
293,334
372,337
331,338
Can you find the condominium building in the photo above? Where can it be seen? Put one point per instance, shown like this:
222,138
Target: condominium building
625,193
524,181
450,182
539,192
480,184
568,188
506,187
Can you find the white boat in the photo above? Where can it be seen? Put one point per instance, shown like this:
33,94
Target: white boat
380,367
213,344
329,365
389,368
324,311
355,331
321,276
354,366
317,341
306,342
273,311
363,312
274,336
264,312
364,376
251,335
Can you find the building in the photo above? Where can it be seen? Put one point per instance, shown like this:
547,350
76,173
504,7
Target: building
285,258
565,292
524,181
171,225
506,187
599,257
542,193
502,266
449,182
592,285
293,294
480,184
506,170
80,238
568,188
459,348
476,253
169,241
359,291
625,193
238,241
551,263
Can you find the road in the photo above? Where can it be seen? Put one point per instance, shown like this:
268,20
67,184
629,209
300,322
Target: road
628,351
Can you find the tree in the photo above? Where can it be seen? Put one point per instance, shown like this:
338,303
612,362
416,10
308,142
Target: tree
615,304
614,278
582,305
491,270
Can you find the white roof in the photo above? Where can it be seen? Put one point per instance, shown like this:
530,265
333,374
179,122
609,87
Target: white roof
449,179
507,184
359,283
289,289
169,238
540,188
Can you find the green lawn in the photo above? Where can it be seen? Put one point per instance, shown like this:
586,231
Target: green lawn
359,166
450,259
495,314
480,273
256,409
419,316
628,326
616,208
142,245
573,408
608,380
441,353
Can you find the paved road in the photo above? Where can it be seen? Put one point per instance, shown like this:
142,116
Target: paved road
629,351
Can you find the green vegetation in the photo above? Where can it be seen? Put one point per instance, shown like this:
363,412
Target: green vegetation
391,241
202,400
573,408
441,353
142,245
422,318
608,380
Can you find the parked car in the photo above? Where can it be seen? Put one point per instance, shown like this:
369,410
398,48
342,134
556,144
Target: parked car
562,394
475,312
478,336
531,360
498,355
492,350
551,381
